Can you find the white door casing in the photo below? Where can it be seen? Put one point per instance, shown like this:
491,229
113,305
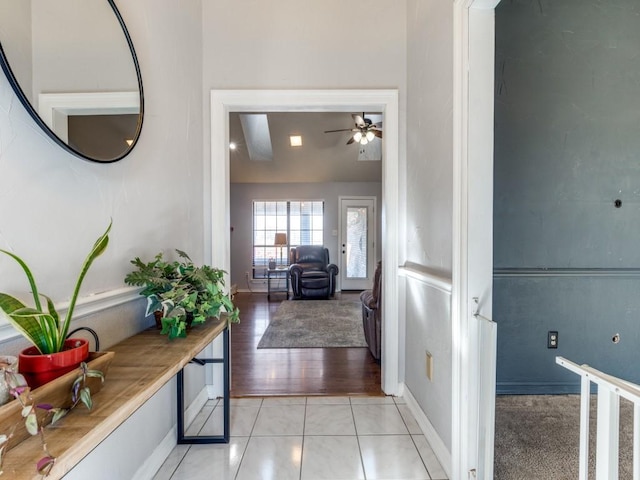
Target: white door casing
216,188
349,278
473,65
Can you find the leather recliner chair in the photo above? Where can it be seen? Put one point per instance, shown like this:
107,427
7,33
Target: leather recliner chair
312,276
372,314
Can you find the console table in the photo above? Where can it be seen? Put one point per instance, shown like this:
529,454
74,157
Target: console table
142,365
277,274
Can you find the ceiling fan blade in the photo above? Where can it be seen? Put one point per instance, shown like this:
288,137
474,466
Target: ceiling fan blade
350,141
341,130
359,120
377,133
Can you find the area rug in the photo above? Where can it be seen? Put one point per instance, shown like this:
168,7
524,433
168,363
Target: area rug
315,324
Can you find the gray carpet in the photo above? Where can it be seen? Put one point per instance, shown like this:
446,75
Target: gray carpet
538,437
315,324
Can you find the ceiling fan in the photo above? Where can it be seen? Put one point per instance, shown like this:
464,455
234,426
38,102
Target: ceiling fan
364,131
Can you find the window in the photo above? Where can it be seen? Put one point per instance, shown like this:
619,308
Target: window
301,221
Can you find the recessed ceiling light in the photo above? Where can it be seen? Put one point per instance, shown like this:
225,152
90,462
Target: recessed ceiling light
295,140
232,146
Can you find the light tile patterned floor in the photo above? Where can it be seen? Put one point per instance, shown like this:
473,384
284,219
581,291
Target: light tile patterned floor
307,438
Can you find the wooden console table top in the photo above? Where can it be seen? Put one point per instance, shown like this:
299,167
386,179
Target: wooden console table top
142,365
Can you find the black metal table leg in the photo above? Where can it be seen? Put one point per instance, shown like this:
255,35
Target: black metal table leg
224,438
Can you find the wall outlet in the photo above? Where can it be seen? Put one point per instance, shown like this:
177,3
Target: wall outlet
429,366
552,339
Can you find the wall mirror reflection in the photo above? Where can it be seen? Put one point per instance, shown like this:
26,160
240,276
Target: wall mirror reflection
73,66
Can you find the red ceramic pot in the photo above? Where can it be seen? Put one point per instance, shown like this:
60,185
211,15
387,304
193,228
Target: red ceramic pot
39,369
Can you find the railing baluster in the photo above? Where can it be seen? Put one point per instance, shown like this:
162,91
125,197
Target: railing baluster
585,404
607,434
636,441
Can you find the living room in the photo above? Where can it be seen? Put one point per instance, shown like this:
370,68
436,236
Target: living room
325,170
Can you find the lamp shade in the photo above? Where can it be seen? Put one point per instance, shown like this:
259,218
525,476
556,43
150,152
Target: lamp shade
280,240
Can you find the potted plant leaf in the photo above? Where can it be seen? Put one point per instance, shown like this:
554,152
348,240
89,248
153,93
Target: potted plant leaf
156,277
52,354
185,293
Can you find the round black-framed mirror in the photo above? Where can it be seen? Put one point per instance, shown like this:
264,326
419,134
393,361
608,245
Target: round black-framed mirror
74,68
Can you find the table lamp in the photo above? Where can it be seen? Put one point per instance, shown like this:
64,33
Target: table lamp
280,241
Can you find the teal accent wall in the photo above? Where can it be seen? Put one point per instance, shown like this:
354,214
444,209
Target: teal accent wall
567,146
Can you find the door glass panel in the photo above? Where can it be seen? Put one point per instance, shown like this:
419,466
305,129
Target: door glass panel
356,248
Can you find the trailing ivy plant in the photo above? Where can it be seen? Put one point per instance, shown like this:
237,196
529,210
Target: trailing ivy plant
34,423
183,292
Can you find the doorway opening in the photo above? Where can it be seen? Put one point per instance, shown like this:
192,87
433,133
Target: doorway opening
386,101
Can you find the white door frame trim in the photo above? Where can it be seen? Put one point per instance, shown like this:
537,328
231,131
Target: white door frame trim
473,82
216,186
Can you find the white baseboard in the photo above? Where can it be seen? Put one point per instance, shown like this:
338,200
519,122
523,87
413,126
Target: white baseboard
437,445
153,463
214,392
195,407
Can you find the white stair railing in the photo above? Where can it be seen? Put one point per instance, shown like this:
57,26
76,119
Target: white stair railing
610,389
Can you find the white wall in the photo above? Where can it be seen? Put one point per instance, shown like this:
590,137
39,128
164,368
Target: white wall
53,205
243,195
429,208
104,65
15,35
429,138
251,44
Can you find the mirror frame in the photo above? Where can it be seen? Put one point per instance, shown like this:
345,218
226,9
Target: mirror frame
4,63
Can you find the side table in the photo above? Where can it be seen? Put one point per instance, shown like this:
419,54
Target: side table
277,274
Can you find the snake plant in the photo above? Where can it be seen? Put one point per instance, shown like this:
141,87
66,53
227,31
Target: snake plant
43,327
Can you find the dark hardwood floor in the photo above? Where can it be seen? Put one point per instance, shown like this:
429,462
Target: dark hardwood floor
293,371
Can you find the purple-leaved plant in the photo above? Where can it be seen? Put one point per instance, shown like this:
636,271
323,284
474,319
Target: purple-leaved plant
18,388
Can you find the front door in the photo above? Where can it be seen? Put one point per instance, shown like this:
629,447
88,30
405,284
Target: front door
357,242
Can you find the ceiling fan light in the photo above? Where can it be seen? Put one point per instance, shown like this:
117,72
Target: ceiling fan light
363,140
370,135
357,136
